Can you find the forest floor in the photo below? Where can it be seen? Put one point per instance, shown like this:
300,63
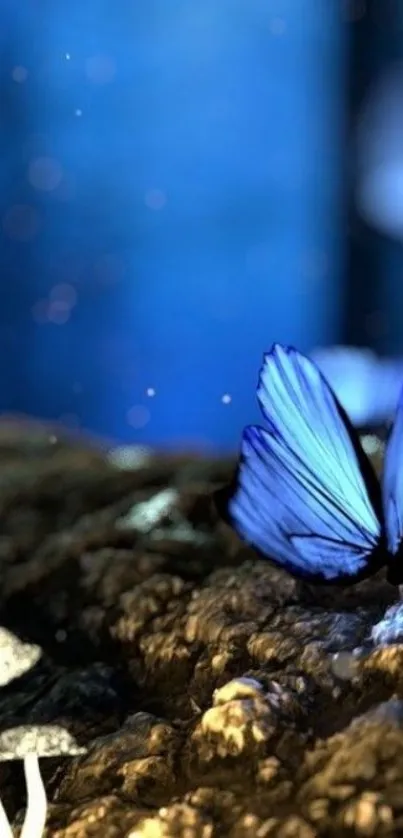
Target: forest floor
195,683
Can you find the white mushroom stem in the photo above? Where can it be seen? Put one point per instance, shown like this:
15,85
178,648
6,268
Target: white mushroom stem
30,742
35,817
5,828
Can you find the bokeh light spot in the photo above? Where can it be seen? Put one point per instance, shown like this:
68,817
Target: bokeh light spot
19,74
78,112
155,199
100,69
226,398
277,26
138,416
45,173
64,293
371,444
21,222
345,665
150,392
59,312
66,190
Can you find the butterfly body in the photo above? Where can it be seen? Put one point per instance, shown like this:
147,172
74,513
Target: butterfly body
305,494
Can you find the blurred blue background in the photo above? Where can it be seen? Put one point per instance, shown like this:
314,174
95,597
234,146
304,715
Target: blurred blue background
180,187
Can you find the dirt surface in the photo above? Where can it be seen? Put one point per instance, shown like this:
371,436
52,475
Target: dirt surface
201,692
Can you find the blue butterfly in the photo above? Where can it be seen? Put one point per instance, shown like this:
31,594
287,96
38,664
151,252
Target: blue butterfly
367,386
305,494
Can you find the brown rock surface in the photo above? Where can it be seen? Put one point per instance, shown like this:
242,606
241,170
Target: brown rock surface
200,680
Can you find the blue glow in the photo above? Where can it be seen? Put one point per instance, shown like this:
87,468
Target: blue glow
368,387
170,164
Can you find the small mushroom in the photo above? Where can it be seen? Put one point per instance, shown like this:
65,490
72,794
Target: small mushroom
30,743
16,657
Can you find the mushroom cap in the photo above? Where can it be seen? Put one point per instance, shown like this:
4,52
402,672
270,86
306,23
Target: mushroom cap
42,740
16,657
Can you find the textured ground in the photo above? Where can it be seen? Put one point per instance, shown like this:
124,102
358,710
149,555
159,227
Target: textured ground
199,680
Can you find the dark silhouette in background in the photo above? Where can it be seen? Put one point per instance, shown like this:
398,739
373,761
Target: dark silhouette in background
374,296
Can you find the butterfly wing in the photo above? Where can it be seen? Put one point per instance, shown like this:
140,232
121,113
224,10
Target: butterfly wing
392,490
368,387
305,493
